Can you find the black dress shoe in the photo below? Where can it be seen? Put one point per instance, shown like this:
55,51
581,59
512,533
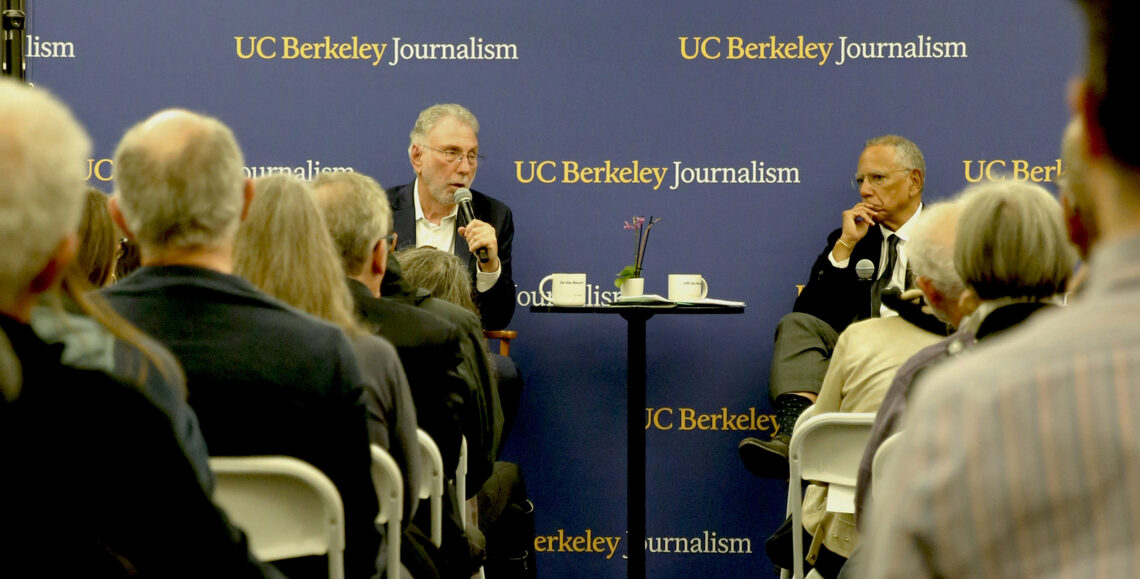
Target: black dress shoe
766,458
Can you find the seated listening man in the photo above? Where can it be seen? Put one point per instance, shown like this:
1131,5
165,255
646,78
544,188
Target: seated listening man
263,377
874,234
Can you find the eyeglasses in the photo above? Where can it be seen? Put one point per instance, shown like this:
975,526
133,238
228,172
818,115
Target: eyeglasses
453,155
389,241
876,180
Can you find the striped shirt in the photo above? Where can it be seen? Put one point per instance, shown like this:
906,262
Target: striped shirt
1022,457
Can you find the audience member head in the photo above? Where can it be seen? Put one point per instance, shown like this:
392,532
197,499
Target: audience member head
98,241
179,187
1107,98
359,218
284,248
930,253
42,154
440,272
1011,242
890,177
1076,202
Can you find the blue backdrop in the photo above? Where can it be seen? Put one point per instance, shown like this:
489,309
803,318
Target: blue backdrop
793,88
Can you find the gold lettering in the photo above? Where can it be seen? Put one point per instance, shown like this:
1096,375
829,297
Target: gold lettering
261,51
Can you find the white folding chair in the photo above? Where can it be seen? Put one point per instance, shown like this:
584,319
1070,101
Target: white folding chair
825,448
884,457
461,480
431,486
806,414
286,506
389,485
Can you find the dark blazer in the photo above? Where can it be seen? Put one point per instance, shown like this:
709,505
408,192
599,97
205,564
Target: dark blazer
837,295
429,350
264,378
496,305
138,509
483,415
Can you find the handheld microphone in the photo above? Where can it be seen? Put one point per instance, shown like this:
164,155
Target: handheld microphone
467,214
865,269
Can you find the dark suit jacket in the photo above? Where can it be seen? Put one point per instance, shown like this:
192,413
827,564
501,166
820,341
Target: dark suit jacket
138,509
429,351
837,295
264,378
483,416
496,305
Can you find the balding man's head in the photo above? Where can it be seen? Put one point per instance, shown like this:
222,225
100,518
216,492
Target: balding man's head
179,182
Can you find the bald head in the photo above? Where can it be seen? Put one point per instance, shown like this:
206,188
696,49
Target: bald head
179,182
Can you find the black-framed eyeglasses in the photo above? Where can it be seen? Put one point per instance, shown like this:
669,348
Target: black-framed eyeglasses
876,179
453,155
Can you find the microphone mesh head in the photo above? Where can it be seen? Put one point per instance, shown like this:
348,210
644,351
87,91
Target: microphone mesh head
864,269
463,194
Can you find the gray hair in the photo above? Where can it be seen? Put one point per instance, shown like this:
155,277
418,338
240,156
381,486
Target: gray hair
42,153
907,153
432,115
179,181
930,250
357,213
1012,241
440,272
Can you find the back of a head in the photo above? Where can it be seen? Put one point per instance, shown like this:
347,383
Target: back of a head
179,181
1112,54
284,248
356,212
98,241
1012,241
930,249
440,272
42,153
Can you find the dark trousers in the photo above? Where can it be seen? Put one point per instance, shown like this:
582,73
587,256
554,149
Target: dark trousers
801,354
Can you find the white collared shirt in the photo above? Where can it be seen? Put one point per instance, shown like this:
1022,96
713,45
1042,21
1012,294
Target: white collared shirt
442,237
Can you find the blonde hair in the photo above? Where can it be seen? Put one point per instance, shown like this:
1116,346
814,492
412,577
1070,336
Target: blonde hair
440,272
98,241
284,248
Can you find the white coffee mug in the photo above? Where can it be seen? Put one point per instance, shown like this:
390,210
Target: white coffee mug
566,289
687,287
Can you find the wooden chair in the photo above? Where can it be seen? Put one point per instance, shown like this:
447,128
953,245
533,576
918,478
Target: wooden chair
504,337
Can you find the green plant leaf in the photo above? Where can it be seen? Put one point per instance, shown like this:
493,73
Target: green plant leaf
626,273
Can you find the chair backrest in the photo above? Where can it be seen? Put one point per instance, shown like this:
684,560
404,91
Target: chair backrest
431,485
825,448
286,506
884,458
389,485
461,480
504,337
